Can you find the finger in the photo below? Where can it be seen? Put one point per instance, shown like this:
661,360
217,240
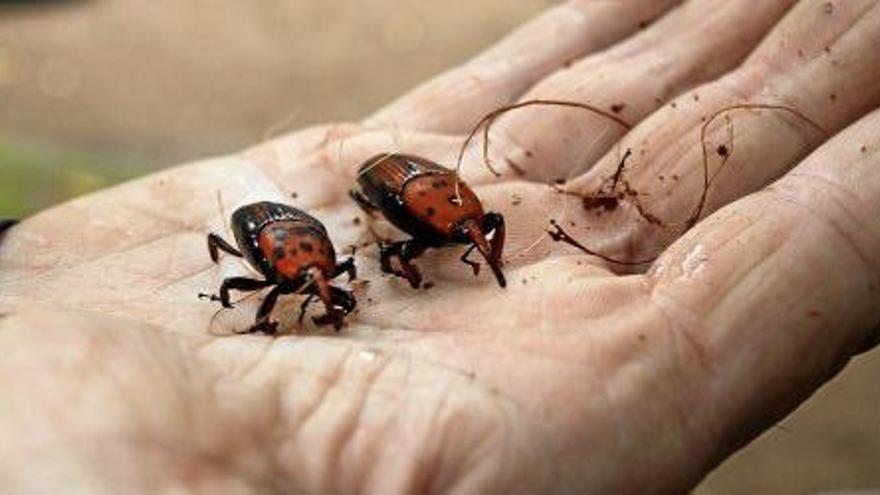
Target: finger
774,293
816,64
454,101
694,43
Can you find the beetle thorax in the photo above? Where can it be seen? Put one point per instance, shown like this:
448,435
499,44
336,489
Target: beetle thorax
292,249
433,199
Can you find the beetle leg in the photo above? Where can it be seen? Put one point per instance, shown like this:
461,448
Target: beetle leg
242,284
404,251
348,267
215,243
304,305
324,291
343,298
362,201
263,323
475,266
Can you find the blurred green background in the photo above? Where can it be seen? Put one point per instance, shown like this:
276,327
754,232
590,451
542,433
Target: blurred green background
95,92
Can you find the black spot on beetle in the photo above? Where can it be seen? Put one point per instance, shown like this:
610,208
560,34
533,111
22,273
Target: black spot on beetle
278,252
306,246
431,211
292,251
437,184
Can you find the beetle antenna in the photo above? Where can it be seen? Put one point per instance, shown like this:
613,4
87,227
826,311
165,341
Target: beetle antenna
486,123
223,211
707,180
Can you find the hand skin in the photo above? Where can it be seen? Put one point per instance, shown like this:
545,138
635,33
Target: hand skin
575,379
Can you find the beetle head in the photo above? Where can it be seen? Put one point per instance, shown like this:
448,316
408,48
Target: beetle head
472,229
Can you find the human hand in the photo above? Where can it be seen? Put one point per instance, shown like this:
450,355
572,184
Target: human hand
574,378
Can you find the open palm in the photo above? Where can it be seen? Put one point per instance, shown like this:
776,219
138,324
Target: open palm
574,378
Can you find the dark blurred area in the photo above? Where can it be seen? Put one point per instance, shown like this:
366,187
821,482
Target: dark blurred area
93,92
96,92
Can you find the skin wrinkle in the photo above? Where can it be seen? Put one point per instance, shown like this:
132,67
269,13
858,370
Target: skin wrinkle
784,195
422,478
366,383
201,454
769,51
330,382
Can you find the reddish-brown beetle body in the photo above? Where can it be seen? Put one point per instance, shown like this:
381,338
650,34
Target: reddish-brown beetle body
291,249
429,202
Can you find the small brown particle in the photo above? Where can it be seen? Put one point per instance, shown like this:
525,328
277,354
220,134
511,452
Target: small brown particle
560,181
606,203
618,107
832,96
431,211
662,178
814,313
674,176
864,149
294,195
428,285
644,24
568,63
356,220
516,199
722,150
673,104
696,97
528,153
642,337
828,7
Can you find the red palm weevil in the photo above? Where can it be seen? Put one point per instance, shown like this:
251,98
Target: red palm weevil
430,203
291,249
